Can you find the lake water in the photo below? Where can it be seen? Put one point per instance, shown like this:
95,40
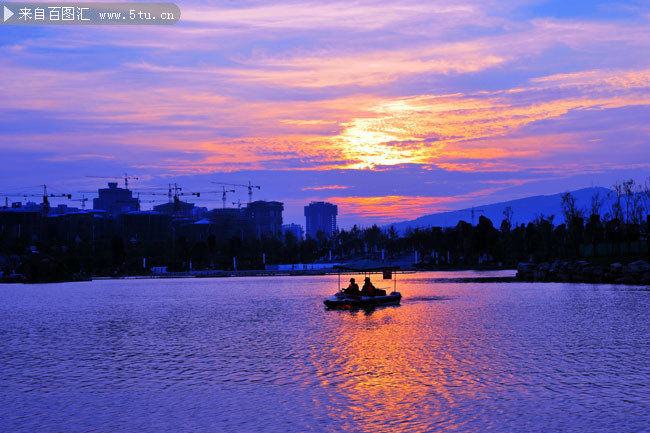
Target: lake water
263,355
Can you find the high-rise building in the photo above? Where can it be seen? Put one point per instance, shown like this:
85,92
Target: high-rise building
230,222
18,222
146,226
294,229
115,201
264,218
321,216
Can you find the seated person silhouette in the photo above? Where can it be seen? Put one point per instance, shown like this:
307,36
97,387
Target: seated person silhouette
368,289
352,289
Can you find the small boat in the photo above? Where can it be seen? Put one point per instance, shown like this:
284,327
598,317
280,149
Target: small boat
348,301
343,301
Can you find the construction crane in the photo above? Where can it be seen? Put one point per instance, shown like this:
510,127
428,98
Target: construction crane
177,192
223,195
174,192
473,211
138,202
250,187
126,178
45,196
237,203
83,201
176,189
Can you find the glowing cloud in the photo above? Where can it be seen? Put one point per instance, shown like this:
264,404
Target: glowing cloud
472,89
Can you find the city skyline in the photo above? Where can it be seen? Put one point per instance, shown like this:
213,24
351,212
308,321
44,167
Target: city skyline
388,110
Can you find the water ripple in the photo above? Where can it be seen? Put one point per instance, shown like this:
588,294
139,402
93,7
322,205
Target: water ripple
264,355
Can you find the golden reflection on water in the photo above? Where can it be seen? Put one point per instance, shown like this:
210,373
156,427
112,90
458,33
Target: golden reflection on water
388,381
205,355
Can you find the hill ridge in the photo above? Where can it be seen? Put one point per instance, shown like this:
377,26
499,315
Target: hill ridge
524,209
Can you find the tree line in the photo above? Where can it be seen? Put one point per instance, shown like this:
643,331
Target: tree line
614,225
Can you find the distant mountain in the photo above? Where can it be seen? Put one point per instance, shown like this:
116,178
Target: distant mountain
524,210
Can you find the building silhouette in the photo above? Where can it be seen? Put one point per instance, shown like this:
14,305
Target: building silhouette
320,216
115,201
145,226
176,208
230,222
294,229
264,218
19,223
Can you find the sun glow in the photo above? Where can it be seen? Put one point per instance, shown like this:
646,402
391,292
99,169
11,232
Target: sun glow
390,138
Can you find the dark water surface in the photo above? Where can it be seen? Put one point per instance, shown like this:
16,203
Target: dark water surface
263,355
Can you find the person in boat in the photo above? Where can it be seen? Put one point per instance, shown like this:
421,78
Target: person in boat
352,289
368,288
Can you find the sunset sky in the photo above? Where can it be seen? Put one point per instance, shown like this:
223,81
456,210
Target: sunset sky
390,110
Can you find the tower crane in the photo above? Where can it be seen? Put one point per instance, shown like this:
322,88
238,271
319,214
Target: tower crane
126,178
250,187
223,195
177,191
83,201
45,196
174,192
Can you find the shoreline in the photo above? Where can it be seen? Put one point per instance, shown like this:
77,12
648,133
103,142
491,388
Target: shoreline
580,271
265,273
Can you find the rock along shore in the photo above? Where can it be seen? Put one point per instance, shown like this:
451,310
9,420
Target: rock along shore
637,272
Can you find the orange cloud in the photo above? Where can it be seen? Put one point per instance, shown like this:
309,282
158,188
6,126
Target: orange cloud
477,131
389,208
386,209
326,70
441,129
